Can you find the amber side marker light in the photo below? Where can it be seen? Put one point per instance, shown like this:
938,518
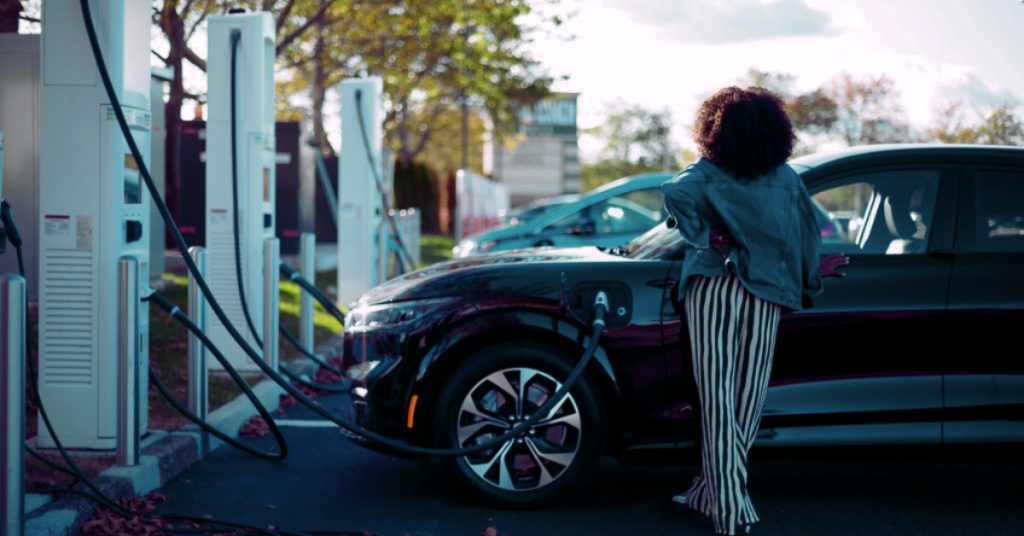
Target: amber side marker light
412,410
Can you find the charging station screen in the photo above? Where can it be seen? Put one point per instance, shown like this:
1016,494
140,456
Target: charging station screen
266,184
132,192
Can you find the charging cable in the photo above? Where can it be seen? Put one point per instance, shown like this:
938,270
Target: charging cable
253,355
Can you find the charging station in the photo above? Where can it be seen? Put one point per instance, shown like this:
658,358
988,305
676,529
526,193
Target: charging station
359,199
93,209
256,170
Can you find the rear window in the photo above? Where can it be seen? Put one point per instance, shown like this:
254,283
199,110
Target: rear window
1000,211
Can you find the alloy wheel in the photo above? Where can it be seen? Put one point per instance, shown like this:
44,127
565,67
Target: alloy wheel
540,455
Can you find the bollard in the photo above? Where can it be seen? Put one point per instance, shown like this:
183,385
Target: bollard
271,299
307,268
383,229
127,361
198,375
12,395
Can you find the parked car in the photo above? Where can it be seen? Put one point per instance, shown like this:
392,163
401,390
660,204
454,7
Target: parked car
607,216
919,343
538,207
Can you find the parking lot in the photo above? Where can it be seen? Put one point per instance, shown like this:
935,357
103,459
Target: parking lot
329,484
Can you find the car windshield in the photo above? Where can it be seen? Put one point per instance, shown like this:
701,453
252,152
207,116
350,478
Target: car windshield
657,243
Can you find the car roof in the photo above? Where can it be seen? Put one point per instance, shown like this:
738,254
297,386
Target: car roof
863,155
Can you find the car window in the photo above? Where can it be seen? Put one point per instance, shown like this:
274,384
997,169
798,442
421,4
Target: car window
885,212
1000,211
635,211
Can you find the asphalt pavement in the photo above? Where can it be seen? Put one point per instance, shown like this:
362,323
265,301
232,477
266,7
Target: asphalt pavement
329,484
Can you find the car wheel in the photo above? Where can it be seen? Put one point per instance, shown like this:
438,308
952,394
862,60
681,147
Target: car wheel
499,387
543,243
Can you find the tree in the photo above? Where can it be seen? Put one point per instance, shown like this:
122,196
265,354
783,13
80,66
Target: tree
1000,127
867,110
636,141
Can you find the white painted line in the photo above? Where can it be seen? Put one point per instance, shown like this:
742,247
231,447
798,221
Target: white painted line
305,424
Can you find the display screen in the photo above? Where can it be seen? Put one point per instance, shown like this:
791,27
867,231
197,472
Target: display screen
266,184
132,187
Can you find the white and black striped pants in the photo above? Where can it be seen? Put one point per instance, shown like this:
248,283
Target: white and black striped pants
732,338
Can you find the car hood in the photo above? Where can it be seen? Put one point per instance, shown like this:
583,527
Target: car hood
466,276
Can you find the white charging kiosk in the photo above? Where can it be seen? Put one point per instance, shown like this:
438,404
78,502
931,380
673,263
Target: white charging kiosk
254,131
93,209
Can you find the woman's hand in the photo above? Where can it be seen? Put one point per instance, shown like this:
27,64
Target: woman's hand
719,236
829,263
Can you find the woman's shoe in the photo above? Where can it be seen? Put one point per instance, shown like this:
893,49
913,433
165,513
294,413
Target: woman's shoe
680,501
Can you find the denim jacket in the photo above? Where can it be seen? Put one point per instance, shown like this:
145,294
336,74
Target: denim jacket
772,219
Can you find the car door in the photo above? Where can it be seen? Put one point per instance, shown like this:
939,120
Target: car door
860,366
984,363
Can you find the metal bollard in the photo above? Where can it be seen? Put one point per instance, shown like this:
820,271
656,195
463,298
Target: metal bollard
12,395
127,361
271,299
307,268
198,375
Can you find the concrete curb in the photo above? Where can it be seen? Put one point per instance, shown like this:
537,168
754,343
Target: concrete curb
163,456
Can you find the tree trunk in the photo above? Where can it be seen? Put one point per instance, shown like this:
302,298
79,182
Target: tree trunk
172,117
318,88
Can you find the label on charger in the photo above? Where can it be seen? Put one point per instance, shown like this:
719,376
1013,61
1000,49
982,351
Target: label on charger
57,225
83,231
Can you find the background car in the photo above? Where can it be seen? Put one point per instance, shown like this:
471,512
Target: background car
537,207
607,216
917,344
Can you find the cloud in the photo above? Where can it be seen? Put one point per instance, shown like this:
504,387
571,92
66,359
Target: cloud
727,21
975,91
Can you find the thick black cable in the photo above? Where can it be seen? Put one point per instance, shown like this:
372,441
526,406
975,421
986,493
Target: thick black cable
11,230
54,465
179,242
176,313
236,35
329,306
235,38
304,351
380,184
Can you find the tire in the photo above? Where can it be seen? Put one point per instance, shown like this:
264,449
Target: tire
480,402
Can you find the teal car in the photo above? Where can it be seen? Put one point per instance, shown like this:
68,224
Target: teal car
608,216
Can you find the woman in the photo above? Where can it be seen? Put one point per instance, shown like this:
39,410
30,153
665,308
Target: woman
752,254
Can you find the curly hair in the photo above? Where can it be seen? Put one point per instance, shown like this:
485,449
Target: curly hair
745,131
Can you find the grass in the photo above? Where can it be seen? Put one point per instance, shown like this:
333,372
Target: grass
435,248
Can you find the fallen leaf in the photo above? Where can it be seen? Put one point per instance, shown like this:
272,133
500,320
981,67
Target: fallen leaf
254,427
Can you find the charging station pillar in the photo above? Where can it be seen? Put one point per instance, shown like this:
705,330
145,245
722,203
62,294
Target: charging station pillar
307,267
12,394
359,199
253,125
128,306
271,290
93,209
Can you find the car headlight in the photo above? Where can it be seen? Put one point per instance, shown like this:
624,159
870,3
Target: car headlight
391,316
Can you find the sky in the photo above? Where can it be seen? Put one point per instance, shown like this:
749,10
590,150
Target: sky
675,53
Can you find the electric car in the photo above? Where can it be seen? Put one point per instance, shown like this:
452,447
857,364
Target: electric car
607,216
918,343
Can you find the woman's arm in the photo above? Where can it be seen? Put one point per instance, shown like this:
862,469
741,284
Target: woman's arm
682,194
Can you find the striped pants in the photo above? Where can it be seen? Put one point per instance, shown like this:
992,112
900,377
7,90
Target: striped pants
732,338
